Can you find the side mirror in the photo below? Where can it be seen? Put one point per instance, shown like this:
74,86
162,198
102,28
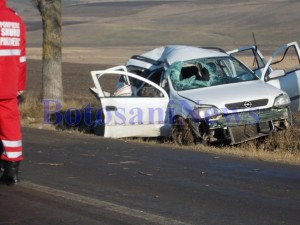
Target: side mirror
276,73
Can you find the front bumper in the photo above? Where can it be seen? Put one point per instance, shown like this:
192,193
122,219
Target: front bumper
248,118
249,125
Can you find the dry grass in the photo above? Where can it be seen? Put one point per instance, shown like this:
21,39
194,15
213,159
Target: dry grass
32,110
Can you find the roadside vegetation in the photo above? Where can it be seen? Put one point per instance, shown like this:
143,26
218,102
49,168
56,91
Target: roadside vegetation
283,146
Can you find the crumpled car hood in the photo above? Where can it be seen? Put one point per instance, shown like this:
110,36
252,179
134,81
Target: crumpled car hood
232,93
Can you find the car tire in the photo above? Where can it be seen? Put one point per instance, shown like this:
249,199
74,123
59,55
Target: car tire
181,132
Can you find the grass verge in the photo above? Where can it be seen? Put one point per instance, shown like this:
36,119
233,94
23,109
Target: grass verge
283,146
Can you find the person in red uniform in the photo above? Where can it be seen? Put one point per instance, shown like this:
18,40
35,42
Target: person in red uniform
12,84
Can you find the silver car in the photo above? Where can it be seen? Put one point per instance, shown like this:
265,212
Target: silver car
180,91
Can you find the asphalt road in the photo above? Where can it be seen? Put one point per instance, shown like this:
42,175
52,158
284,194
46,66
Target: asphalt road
75,179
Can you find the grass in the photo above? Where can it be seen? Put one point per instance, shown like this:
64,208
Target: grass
283,146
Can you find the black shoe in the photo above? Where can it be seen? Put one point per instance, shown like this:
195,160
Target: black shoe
10,173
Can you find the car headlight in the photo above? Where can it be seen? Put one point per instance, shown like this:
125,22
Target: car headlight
282,101
205,112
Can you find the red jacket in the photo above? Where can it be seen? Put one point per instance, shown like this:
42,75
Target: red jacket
12,53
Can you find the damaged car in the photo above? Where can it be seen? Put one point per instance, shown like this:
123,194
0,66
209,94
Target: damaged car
177,90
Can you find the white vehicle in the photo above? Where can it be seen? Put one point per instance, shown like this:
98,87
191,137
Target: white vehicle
174,87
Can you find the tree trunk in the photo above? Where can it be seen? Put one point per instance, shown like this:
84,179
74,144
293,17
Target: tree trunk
50,11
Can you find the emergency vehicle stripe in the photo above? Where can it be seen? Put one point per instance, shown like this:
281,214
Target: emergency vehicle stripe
12,143
10,52
12,155
22,59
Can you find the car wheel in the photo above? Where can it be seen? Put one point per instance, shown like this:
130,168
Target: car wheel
181,132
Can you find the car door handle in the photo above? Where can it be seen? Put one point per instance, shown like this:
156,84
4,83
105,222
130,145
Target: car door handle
111,108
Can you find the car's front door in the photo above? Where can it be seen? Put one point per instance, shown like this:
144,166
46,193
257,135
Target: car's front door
251,57
282,70
128,112
285,75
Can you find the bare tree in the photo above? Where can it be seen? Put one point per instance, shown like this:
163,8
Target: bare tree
50,11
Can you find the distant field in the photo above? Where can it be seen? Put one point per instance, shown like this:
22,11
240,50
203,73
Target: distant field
143,25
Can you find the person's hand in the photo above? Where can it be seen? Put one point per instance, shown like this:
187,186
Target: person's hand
19,93
20,97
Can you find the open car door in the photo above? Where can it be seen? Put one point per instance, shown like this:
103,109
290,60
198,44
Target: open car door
127,111
282,70
251,57
285,74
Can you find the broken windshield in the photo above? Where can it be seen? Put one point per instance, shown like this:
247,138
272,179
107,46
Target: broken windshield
200,73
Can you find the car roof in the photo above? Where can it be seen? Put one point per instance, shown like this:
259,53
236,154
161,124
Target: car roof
172,53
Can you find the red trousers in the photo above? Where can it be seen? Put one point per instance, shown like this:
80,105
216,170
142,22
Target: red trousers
10,130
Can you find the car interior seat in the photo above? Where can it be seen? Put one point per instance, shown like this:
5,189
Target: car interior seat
126,90
205,74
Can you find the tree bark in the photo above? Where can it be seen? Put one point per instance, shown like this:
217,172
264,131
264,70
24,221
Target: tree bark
52,86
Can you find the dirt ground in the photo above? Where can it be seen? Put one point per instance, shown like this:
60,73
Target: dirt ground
116,25
76,78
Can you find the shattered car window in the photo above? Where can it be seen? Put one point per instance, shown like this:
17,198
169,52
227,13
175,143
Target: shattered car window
201,73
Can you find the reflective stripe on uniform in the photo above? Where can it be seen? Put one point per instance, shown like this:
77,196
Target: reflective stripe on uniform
12,155
12,143
10,52
22,59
